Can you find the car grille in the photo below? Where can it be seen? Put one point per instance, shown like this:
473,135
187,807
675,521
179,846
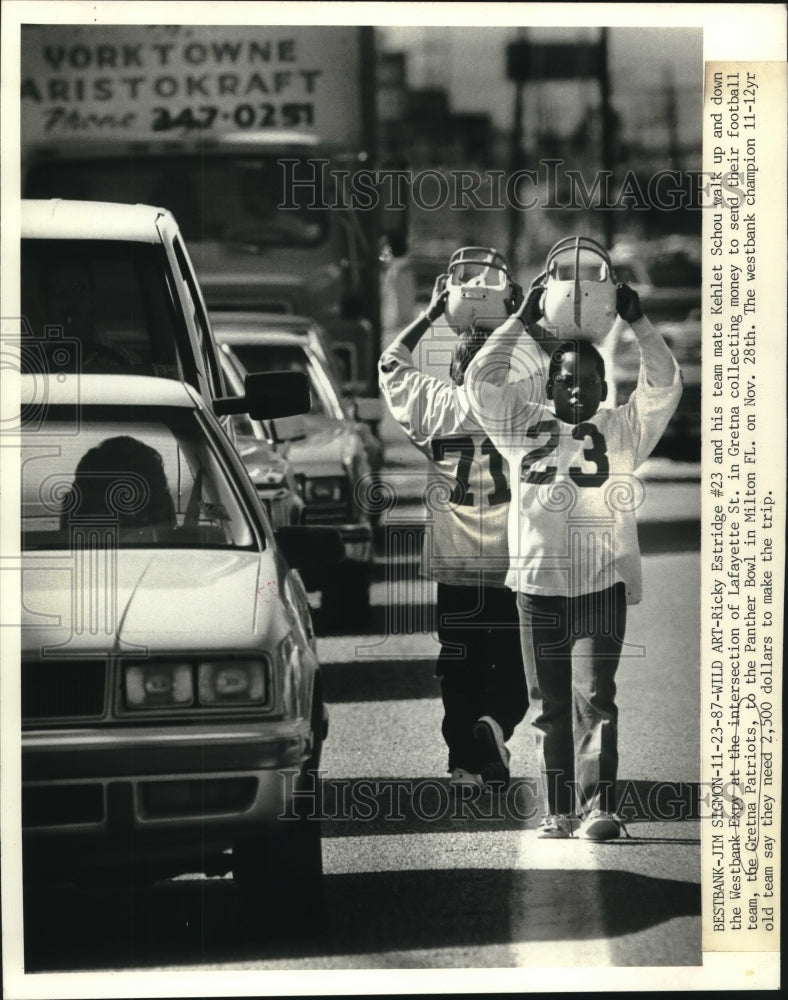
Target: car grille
62,805
63,689
314,514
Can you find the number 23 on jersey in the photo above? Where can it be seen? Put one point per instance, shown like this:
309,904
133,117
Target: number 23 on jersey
594,454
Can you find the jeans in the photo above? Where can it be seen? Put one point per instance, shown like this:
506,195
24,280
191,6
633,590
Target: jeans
571,648
480,666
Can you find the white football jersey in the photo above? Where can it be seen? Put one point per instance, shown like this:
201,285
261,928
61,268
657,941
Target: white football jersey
572,521
467,491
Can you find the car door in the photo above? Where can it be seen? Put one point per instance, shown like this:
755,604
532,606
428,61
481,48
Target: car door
207,372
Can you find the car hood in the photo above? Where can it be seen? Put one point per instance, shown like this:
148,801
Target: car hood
162,599
329,447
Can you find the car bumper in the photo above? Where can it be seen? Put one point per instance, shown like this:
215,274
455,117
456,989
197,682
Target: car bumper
359,549
357,537
359,545
94,785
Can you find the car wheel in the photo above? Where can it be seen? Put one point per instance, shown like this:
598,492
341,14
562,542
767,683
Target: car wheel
279,875
345,602
279,872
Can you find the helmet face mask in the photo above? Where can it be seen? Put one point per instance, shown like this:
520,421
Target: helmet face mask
480,287
580,290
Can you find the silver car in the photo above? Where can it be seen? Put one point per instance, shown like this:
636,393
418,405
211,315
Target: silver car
172,699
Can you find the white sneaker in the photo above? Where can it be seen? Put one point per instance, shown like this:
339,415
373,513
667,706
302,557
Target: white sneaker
460,778
600,825
554,828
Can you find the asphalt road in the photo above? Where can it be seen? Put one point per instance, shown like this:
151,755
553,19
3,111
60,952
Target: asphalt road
415,884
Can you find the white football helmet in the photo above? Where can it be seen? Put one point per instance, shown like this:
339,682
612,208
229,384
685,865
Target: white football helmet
480,289
580,291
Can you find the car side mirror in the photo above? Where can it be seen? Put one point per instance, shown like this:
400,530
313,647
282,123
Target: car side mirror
310,547
285,429
369,410
268,395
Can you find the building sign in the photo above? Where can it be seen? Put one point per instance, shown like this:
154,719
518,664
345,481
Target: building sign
129,81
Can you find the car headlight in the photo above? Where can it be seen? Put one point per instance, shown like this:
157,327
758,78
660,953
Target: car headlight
223,682
159,685
325,489
215,682
266,475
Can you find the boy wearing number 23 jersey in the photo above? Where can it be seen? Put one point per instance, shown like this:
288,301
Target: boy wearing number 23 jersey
465,551
574,556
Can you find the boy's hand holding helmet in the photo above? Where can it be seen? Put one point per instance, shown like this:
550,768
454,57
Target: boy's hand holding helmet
530,311
437,305
515,300
628,304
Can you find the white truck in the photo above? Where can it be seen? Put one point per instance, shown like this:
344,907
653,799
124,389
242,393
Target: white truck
241,132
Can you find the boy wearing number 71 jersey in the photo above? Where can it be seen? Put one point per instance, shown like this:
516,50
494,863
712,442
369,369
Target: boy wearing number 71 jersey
465,551
574,556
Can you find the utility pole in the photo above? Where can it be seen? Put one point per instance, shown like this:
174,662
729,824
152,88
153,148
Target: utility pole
672,118
517,70
514,220
608,126
534,62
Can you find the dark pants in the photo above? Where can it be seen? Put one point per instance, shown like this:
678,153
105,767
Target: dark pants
571,650
480,666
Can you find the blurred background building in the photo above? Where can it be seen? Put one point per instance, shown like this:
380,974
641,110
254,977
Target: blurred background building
448,101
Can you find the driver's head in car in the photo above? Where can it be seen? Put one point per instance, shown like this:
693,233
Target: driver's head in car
70,295
121,482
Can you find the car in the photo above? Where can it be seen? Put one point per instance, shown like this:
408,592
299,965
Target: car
332,462
364,411
682,437
172,696
665,273
109,289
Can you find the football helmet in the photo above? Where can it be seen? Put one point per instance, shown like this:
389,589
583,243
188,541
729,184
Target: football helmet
479,286
580,291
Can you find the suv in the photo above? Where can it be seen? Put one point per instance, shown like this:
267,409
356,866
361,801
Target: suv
109,289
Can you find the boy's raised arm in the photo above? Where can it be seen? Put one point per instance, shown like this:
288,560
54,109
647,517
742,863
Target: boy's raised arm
658,364
413,333
499,406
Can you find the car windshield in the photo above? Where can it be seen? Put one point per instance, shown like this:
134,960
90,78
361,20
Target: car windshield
292,357
99,477
101,306
245,192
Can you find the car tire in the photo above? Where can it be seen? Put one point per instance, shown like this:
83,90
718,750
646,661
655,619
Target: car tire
345,603
283,867
279,875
